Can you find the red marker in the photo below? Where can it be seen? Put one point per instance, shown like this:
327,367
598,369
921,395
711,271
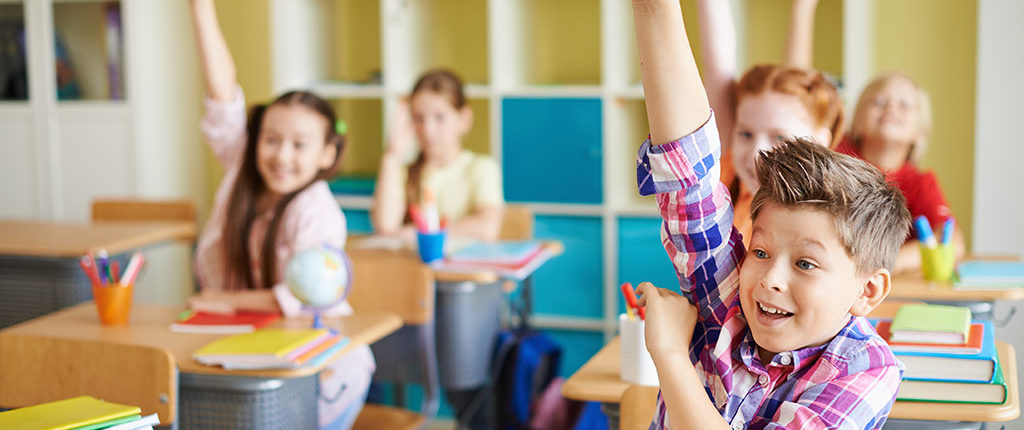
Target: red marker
630,295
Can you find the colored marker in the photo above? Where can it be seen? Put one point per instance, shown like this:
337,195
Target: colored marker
101,265
947,231
132,271
89,267
630,295
417,218
924,232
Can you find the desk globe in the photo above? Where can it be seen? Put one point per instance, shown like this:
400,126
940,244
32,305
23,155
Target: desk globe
320,278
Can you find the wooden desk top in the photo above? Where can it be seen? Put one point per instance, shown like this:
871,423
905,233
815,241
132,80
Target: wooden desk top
49,239
482,276
150,325
598,380
913,286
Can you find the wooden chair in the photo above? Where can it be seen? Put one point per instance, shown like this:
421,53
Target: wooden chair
399,282
36,370
517,223
109,209
637,407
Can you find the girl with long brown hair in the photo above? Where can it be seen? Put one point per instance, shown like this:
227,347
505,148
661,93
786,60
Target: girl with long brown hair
272,203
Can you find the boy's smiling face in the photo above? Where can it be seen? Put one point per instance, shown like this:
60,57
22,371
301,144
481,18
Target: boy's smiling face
798,286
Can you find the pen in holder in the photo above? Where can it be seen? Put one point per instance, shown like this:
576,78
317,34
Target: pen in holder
431,246
113,302
112,289
937,258
636,365
937,262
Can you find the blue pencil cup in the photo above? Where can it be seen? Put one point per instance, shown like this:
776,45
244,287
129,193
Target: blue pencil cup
431,246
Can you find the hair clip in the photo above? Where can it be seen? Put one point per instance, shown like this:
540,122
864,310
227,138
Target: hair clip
340,127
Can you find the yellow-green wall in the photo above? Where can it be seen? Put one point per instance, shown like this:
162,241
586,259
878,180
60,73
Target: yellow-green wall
935,42
767,26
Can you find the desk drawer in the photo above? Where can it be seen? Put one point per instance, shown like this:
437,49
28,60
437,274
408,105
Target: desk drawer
239,402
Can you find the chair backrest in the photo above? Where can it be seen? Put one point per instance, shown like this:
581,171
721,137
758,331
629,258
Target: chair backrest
517,223
399,282
637,407
392,282
39,370
109,209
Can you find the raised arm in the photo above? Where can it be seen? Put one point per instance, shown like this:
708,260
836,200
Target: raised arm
718,48
388,210
800,40
218,66
677,104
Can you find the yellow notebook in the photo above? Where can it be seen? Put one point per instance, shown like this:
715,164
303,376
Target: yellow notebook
65,414
267,342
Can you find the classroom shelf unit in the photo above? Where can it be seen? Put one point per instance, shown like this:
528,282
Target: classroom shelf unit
556,100
555,89
91,104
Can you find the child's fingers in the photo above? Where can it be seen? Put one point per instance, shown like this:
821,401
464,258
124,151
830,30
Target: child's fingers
645,289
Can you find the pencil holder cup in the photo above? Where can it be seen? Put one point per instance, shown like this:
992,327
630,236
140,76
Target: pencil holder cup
431,246
937,263
113,302
636,364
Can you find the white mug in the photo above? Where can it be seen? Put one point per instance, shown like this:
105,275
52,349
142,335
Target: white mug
636,366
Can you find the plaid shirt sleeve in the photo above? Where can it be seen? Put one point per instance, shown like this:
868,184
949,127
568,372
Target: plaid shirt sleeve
697,231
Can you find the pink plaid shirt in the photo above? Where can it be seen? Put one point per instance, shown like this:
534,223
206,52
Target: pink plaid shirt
848,383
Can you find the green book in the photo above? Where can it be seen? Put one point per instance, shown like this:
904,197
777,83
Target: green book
955,392
937,324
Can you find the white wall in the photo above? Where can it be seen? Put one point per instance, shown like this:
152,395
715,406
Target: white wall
999,149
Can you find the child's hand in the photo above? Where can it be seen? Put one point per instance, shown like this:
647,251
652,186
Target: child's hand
215,303
401,133
669,323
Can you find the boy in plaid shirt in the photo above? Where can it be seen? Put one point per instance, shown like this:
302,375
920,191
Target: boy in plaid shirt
775,336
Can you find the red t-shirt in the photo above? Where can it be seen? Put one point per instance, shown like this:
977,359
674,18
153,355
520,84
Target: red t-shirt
921,189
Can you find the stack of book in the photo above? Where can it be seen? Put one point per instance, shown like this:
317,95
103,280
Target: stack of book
272,348
514,260
947,357
78,413
989,274
239,322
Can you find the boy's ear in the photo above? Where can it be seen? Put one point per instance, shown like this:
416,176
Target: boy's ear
876,289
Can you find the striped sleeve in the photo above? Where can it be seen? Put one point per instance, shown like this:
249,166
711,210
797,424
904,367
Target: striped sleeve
697,229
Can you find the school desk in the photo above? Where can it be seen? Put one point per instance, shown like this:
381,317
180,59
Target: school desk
30,375
598,381
468,310
39,270
913,286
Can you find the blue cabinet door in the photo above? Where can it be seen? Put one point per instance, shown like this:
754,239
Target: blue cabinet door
572,283
642,258
551,150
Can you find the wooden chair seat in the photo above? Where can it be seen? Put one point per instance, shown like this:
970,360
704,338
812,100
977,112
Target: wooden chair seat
385,417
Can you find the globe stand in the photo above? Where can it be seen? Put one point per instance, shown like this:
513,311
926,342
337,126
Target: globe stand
320,278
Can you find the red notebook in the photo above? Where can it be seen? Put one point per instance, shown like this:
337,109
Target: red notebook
240,322
973,345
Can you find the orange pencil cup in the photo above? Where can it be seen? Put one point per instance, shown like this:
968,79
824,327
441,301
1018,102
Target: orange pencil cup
113,302
938,262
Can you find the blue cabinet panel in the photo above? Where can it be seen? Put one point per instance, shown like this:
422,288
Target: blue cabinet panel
577,348
551,150
642,258
572,283
358,221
